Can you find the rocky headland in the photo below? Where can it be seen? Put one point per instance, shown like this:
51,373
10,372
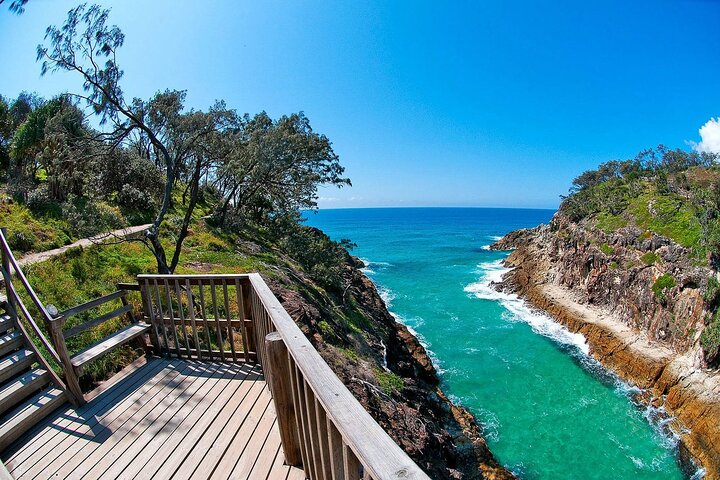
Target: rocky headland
638,299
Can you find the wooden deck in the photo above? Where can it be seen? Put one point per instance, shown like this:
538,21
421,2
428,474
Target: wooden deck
169,419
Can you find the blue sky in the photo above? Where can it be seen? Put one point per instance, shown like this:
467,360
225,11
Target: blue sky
427,103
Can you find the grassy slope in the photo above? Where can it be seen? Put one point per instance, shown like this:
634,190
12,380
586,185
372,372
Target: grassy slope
667,214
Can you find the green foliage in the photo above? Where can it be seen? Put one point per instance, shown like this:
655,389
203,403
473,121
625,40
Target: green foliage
609,223
710,340
389,382
649,258
613,265
663,282
606,249
668,215
711,295
672,193
322,258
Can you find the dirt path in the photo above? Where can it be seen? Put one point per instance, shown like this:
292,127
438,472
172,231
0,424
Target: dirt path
120,234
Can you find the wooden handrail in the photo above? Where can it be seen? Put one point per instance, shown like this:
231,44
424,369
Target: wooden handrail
8,255
91,304
12,293
328,431
369,444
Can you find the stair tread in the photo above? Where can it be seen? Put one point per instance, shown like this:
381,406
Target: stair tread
109,343
12,393
10,341
15,357
6,322
15,363
28,414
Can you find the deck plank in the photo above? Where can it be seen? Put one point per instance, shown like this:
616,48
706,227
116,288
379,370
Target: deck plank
209,450
80,455
64,430
77,456
165,442
65,421
169,419
139,432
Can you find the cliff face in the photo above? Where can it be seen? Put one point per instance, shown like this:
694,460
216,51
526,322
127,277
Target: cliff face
388,371
638,300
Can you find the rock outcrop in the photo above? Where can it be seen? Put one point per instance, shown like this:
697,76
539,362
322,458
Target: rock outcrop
637,298
388,371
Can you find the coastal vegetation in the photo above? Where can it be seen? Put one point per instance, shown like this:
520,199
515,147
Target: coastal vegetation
674,194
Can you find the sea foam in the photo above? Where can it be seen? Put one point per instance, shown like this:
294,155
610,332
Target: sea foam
492,273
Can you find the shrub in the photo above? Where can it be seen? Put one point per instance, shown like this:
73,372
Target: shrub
22,241
710,340
712,291
649,258
87,218
389,382
663,283
607,249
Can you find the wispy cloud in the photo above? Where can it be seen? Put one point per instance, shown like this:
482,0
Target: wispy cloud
710,137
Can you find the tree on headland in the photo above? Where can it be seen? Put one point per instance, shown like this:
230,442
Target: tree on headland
261,169
16,6
88,46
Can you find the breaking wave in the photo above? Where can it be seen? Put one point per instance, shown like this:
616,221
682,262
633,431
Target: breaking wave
492,273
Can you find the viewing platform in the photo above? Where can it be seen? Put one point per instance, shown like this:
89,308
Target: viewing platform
228,387
167,419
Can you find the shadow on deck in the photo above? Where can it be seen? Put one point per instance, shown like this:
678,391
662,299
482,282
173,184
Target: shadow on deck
169,419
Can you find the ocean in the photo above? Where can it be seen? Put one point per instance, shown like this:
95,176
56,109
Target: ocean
548,410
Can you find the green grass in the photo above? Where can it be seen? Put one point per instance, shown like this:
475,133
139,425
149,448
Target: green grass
610,223
668,215
389,382
28,233
649,258
607,249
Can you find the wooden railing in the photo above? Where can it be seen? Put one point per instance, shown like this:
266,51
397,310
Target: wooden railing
18,309
199,316
323,428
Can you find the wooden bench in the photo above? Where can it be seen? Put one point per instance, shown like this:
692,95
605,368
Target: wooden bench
74,365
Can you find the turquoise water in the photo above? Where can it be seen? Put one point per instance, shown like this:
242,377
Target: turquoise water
548,410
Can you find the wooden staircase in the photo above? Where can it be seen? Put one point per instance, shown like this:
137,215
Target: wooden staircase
27,390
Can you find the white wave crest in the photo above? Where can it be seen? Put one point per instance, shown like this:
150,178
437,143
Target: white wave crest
387,296
485,247
541,323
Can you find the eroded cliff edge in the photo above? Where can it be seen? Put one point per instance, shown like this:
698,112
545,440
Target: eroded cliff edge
638,300
386,368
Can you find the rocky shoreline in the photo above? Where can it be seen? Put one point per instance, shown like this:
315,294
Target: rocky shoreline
441,437
590,282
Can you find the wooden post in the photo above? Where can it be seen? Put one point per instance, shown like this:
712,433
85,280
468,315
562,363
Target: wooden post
249,329
278,376
6,267
71,378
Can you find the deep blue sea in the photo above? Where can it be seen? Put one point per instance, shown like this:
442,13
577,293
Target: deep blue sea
548,410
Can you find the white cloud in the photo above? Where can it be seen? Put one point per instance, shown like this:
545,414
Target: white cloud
710,137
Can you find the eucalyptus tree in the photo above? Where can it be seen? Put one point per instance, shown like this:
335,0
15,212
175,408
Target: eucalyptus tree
276,169
87,46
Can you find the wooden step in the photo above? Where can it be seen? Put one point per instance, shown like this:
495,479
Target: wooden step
15,363
10,342
22,387
4,474
108,344
6,322
29,414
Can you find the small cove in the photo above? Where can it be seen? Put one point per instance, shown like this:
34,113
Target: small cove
548,410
